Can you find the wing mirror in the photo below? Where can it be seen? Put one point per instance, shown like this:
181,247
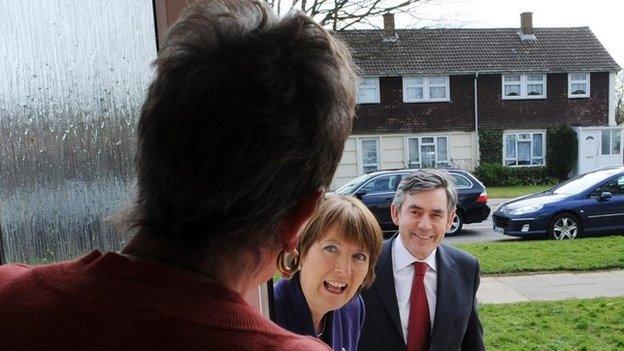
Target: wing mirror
360,193
605,196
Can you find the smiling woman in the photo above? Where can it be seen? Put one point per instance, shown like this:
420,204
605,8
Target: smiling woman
338,251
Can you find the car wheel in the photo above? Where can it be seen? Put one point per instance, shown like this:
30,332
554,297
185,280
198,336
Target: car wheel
456,225
564,226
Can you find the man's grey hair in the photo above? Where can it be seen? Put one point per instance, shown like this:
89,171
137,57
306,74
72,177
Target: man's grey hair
423,180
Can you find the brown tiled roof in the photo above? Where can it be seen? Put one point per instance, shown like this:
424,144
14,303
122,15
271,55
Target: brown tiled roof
468,50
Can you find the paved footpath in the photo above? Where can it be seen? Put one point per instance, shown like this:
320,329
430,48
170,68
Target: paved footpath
558,286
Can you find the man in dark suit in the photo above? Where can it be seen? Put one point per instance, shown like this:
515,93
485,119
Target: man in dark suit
424,295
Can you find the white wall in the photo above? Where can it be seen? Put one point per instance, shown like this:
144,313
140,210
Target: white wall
393,153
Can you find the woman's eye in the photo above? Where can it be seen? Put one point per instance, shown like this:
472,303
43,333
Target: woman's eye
360,257
331,248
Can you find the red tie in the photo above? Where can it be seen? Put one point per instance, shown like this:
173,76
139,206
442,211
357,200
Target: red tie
419,325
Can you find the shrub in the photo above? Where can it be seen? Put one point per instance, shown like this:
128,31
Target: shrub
495,174
491,146
562,151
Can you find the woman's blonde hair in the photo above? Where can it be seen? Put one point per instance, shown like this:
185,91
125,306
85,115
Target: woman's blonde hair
349,217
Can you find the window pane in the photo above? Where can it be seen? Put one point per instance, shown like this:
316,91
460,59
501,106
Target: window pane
428,156
606,141
514,78
578,77
428,140
525,136
510,162
535,89
535,78
367,95
579,88
442,150
437,80
615,142
512,90
538,161
413,153
369,155
382,184
437,92
414,81
537,145
510,146
524,153
414,93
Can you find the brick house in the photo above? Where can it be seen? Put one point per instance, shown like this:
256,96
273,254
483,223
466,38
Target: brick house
426,93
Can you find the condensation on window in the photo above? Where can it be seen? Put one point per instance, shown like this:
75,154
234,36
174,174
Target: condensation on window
73,75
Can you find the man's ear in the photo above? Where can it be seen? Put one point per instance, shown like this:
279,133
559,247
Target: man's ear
298,217
394,212
449,220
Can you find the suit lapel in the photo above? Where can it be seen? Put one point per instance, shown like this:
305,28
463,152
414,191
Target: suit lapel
384,284
447,301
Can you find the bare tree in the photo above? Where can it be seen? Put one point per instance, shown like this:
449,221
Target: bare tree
343,14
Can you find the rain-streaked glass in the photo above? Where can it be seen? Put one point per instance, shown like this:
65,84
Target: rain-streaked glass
73,75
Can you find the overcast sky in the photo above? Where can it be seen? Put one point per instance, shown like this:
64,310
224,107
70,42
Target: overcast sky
604,17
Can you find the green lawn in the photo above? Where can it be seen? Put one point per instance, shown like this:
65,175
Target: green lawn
592,324
514,191
545,256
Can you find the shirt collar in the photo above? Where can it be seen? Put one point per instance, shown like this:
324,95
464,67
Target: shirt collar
402,258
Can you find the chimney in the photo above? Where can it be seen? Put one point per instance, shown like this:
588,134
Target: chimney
389,31
526,23
526,28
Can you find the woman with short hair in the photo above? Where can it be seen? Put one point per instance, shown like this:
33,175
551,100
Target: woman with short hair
336,257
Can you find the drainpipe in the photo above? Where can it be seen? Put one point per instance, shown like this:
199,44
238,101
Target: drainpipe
476,113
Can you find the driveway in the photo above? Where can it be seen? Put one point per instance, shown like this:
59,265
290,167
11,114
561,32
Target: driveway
480,232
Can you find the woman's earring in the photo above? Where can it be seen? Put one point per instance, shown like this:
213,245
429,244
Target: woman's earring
288,263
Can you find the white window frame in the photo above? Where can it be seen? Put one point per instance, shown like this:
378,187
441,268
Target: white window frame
361,164
611,131
524,82
585,81
517,133
363,85
420,144
425,86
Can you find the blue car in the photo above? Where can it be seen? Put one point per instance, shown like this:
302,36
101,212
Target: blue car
591,203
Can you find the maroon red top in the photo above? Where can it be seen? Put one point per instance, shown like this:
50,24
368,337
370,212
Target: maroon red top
109,302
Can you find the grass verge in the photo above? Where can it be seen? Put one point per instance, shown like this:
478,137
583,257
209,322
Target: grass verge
514,191
547,256
592,324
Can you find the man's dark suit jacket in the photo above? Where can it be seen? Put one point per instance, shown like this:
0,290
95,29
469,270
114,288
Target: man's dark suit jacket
456,325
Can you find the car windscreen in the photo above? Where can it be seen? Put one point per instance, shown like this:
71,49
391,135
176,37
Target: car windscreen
348,188
581,183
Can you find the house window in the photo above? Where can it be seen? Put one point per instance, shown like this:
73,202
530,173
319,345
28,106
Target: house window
611,142
427,152
524,86
368,91
426,89
578,85
524,149
370,155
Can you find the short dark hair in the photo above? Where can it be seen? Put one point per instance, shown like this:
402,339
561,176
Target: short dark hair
426,179
247,115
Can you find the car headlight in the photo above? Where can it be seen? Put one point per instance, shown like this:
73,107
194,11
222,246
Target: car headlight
526,209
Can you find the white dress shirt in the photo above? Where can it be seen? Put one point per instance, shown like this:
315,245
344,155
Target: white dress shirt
404,276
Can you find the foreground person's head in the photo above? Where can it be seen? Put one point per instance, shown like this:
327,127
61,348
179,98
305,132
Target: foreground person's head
423,208
338,251
241,132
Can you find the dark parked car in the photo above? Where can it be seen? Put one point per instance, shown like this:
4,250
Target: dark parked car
377,190
590,203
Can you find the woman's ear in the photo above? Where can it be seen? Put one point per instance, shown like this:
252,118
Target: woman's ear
298,217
